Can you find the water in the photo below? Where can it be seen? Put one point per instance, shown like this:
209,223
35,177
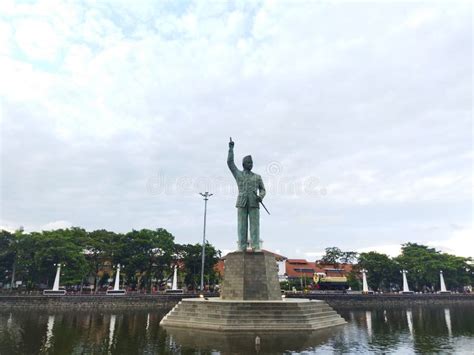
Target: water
420,329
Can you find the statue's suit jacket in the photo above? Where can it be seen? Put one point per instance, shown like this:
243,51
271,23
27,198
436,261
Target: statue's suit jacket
248,184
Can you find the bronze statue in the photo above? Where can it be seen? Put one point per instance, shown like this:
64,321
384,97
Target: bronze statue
251,193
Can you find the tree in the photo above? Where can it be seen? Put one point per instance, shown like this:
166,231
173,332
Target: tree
7,255
353,279
99,248
335,256
424,264
146,255
332,255
192,259
382,270
63,246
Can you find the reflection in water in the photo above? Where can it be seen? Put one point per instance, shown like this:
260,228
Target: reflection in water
368,320
351,316
111,331
410,322
447,329
247,343
49,333
447,318
147,321
9,321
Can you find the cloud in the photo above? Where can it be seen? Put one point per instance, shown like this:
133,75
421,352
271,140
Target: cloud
56,225
460,242
391,250
372,103
37,39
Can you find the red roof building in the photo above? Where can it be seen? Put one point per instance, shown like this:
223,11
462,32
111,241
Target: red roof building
297,268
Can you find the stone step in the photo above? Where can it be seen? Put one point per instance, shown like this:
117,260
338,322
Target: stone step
248,304
268,316
259,314
255,321
256,309
263,326
255,313
226,320
263,315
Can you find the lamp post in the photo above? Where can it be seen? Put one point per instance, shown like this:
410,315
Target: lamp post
206,196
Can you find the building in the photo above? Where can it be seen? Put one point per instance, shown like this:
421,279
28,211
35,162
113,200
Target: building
299,269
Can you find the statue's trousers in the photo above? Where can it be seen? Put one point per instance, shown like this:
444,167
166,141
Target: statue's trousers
244,216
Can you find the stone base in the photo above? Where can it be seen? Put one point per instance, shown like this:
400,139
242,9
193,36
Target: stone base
224,315
250,276
116,292
54,292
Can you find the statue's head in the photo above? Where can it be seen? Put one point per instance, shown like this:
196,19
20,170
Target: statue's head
247,163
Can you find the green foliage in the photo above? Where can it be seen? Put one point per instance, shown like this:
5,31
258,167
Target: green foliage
353,280
7,255
300,284
192,257
99,247
146,256
382,270
334,255
60,246
424,264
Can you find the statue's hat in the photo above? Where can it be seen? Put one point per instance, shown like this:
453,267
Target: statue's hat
247,158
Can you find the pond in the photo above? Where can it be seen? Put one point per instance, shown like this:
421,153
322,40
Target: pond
418,329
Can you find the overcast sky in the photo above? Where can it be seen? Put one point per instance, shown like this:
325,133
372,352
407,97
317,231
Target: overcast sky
116,114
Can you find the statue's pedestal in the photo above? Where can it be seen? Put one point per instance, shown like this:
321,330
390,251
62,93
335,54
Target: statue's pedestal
251,301
250,276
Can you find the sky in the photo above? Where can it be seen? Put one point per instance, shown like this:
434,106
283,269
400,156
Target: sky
358,115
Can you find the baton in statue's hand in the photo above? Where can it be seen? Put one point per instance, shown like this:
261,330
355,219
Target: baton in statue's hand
261,202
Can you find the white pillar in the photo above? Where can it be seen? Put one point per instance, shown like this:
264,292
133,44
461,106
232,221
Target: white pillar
405,282
174,286
441,281
56,279
117,279
365,286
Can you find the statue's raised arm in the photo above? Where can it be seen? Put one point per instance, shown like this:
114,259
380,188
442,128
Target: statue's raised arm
230,159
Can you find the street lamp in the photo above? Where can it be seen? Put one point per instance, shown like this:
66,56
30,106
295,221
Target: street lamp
206,196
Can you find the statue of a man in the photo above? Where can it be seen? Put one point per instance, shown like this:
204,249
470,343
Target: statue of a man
251,192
